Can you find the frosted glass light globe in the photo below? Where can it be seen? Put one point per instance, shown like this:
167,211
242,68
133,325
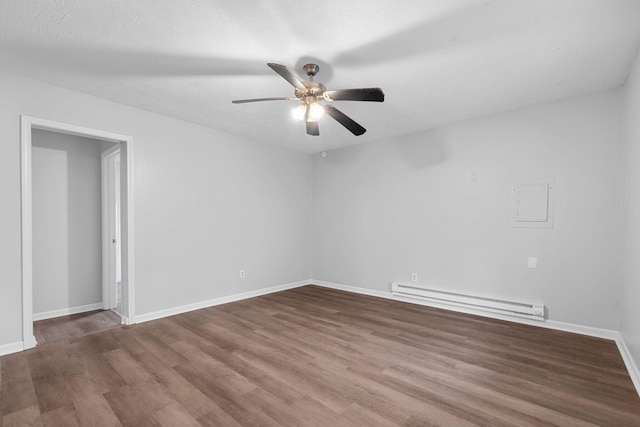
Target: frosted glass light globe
299,112
315,111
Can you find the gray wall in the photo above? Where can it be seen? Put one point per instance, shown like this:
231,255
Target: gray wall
630,314
383,211
207,203
67,239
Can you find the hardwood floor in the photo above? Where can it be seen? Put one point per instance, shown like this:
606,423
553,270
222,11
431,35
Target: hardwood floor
318,357
74,325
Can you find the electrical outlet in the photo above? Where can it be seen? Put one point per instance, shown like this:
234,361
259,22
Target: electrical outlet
242,274
414,277
532,262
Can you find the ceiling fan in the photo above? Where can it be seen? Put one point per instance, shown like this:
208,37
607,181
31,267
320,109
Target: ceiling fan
310,93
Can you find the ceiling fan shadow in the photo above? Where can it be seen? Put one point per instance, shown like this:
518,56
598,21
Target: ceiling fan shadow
132,62
466,26
421,149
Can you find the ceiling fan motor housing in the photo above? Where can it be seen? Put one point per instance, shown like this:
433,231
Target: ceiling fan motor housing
313,89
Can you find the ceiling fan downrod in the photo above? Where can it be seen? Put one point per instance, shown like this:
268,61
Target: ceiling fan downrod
311,70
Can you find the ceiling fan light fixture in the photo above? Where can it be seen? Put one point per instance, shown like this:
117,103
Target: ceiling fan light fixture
299,112
316,110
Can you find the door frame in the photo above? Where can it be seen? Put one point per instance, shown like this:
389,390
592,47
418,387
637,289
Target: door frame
108,229
27,124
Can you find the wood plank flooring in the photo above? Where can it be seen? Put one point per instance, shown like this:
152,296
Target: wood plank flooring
74,325
318,357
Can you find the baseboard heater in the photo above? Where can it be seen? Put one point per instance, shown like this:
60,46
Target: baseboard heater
507,308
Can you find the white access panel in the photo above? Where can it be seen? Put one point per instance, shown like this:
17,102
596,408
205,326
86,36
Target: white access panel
532,203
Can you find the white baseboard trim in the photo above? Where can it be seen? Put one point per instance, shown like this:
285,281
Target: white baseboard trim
634,372
609,334
549,324
217,301
13,347
66,311
354,289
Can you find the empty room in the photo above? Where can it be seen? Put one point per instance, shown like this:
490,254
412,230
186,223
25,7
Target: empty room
320,213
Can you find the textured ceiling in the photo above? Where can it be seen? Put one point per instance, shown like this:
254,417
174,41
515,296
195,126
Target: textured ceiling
437,61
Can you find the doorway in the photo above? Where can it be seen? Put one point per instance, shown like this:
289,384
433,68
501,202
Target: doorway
119,231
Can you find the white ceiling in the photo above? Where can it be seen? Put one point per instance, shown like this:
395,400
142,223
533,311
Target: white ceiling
438,61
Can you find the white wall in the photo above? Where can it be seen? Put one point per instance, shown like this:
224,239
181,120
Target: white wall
386,210
629,313
206,203
67,239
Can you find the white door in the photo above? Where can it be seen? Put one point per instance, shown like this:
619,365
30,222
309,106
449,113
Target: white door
112,277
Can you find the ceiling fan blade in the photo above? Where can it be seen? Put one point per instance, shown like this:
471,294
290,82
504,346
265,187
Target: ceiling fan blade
344,120
365,94
312,128
243,101
287,75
